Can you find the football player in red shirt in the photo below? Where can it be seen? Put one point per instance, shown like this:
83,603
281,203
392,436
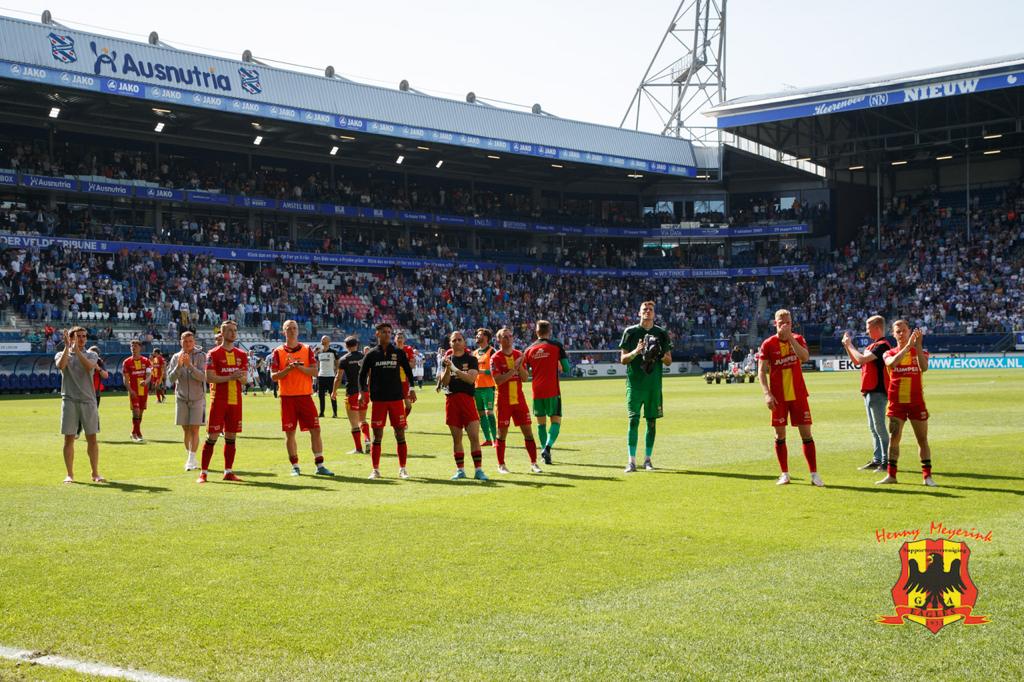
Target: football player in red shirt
137,370
157,377
546,358
459,383
905,364
225,372
786,395
410,355
509,374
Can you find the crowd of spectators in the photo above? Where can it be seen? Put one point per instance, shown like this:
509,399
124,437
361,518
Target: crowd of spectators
924,269
922,265
192,170
166,293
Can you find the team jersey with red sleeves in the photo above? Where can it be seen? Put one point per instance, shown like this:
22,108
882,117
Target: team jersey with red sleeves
905,385
411,354
510,393
136,373
785,376
544,358
223,363
158,368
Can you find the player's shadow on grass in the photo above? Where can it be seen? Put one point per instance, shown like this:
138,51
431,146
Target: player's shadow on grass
249,474
983,477
872,488
719,474
578,477
984,490
497,482
595,466
135,487
275,485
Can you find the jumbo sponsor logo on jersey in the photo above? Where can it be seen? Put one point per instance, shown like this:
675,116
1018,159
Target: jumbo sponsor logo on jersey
106,61
787,358
906,367
964,86
389,362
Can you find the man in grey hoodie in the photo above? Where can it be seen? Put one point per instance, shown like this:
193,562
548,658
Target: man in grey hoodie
187,371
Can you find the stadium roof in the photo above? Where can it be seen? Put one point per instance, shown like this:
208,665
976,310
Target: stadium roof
900,121
53,54
880,91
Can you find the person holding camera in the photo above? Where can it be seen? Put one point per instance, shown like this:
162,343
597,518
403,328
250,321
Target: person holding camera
643,349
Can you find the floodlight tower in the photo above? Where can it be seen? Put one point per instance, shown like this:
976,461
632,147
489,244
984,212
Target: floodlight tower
685,76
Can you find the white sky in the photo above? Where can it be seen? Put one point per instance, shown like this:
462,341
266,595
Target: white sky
579,58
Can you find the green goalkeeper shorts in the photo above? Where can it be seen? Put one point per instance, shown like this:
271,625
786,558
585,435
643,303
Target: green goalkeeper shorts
547,407
647,400
484,399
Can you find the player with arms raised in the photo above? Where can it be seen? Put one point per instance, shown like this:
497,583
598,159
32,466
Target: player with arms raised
786,396
225,372
905,364
644,348
546,358
509,374
293,366
381,373
137,371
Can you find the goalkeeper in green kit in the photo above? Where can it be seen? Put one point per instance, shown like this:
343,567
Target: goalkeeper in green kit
644,348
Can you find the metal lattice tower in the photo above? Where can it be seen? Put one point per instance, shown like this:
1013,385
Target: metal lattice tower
676,88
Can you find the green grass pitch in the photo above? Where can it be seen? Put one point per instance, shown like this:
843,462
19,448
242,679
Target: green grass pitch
701,569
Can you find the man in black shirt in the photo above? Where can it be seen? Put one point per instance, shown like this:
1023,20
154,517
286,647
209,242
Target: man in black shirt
356,397
381,374
459,381
874,385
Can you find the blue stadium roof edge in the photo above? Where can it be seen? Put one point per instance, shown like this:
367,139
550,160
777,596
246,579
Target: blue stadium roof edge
64,57
868,93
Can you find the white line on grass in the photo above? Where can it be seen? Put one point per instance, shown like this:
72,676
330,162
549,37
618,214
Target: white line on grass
83,666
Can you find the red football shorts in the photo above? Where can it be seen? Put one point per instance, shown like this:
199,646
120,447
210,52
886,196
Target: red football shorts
914,411
139,401
357,402
514,414
388,410
798,410
299,410
460,410
224,418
